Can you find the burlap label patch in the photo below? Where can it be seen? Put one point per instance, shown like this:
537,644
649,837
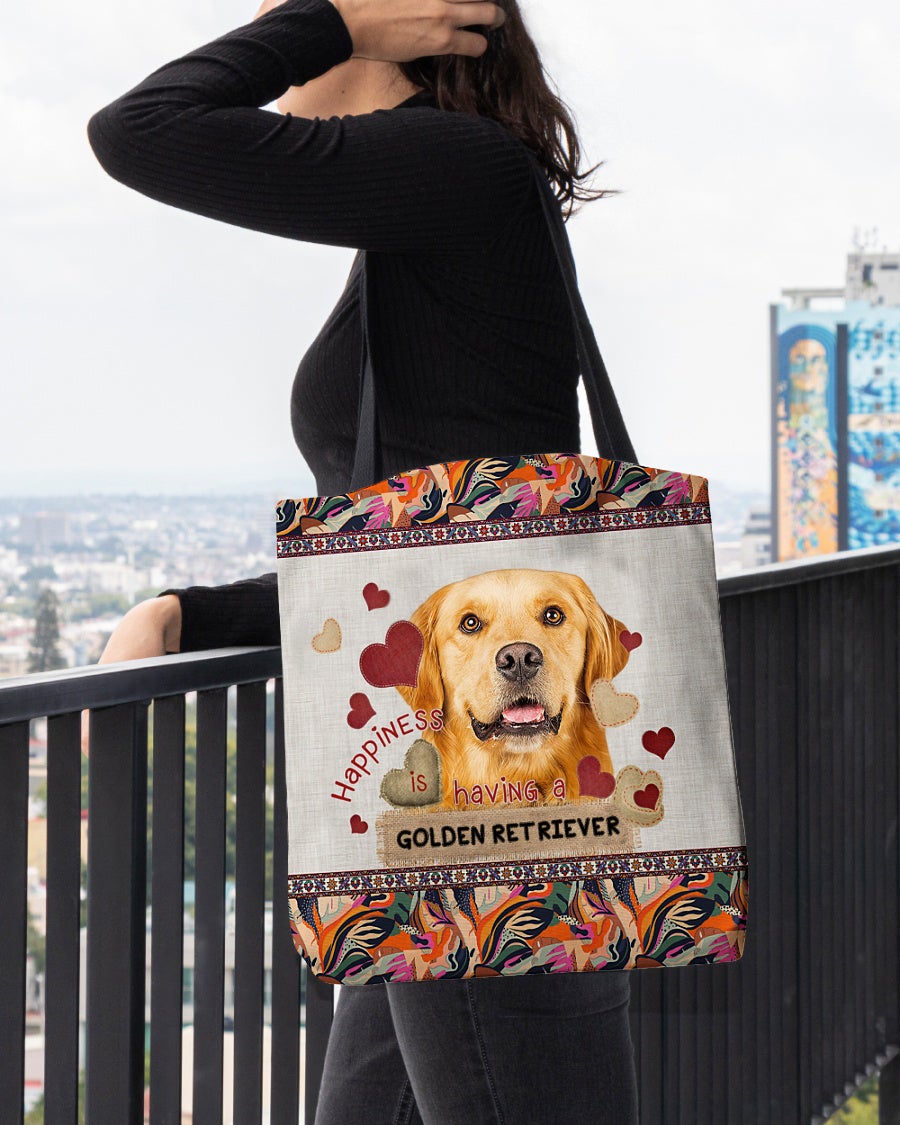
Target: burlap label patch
416,838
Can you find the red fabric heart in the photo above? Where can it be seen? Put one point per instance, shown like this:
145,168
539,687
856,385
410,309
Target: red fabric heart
397,660
361,710
630,641
593,780
375,598
658,742
647,797
357,824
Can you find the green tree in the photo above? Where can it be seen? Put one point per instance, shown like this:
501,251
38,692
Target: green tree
861,1108
40,572
44,655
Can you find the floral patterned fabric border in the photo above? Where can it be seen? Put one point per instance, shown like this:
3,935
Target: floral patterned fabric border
621,922
529,488
483,530
541,870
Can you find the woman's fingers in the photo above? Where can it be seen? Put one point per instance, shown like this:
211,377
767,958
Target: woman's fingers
479,13
403,30
467,43
468,14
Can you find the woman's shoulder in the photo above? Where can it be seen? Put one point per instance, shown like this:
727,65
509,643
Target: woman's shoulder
423,106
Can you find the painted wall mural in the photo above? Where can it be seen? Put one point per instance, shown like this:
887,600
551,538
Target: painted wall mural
873,428
806,435
813,420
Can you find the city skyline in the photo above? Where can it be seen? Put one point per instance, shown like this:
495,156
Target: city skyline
152,350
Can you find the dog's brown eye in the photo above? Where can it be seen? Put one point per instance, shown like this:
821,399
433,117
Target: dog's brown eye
553,615
470,623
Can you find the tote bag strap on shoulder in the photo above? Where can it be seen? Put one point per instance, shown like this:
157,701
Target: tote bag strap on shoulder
609,427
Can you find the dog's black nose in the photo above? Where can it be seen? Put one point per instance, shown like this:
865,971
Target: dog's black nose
519,662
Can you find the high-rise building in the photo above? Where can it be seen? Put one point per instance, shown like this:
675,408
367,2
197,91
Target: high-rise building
836,412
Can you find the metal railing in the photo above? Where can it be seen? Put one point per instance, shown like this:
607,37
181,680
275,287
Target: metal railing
780,1037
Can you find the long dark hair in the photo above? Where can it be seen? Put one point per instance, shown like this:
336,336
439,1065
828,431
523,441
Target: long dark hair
508,83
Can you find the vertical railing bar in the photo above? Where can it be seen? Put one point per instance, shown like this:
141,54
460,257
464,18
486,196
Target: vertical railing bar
860,632
209,926
839,750
635,1024
768,814
831,733
650,1044
878,735
167,898
698,1043
875,736
846,763
319,1016
889,844
63,971
734,981
783,720
804,914
285,1079
116,941
250,866
754,1090
14,896
696,991
821,784
812,685
768,817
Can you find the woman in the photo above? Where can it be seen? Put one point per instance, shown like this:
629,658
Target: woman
405,134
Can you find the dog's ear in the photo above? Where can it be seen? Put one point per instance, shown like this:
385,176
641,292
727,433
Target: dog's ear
428,694
605,656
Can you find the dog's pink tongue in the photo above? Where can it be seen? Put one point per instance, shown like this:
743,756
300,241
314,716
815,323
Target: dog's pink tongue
524,713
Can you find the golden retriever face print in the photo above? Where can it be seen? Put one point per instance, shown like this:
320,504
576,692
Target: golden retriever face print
509,658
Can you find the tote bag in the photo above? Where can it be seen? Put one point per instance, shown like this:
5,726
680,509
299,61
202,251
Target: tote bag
508,743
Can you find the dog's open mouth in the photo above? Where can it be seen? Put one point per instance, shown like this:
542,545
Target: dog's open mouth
524,717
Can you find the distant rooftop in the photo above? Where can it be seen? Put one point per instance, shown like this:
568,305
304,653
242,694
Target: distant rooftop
871,276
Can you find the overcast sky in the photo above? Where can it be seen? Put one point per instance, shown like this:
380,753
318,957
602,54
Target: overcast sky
146,348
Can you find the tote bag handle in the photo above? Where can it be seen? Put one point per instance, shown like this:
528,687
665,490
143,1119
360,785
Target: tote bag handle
609,427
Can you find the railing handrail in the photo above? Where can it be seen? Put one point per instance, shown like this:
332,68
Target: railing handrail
130,681
808,570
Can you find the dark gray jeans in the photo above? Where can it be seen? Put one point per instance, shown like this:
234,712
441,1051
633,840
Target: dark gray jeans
486,1051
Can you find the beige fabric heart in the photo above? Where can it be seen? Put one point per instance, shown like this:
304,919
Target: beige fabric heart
418,783
329,640
639,795
612,708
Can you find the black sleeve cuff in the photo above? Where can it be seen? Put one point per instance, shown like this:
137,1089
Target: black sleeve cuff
239,613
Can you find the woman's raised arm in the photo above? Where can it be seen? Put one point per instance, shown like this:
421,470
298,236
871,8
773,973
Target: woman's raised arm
192,135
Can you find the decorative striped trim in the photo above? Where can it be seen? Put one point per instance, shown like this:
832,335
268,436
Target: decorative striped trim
505,874
473,531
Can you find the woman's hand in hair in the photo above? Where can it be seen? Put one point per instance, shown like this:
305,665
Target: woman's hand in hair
403,30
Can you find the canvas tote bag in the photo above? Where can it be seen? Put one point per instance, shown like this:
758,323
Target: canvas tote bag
508,743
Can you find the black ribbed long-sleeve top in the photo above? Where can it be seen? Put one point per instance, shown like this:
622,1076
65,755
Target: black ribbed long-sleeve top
469,322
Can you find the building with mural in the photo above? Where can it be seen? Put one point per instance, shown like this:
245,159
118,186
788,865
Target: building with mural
836,413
